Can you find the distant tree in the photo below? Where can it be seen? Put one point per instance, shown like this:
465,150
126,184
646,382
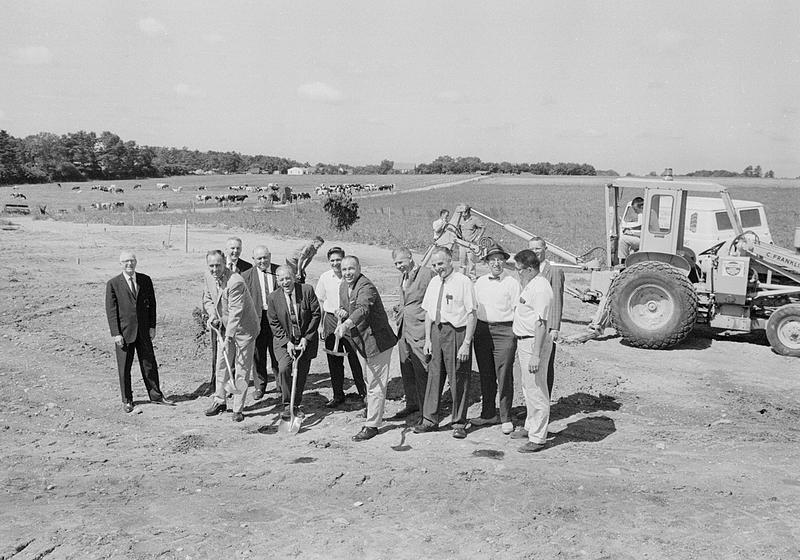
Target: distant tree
757,171
769,174
748,171
385,167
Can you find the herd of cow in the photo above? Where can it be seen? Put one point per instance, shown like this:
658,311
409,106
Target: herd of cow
350,188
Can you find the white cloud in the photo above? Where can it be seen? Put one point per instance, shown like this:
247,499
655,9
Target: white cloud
320,92
451,96
213,38
185,90
33,55
151,26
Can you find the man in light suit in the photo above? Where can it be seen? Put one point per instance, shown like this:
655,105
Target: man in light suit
261,281
131,314
235,317
410,319
233,262
294,315
555,276
366,326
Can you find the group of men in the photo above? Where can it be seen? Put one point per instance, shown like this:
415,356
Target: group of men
265,318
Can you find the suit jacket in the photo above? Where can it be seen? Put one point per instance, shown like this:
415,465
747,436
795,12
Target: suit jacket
128,316
235,309
371,333
308,318
411,319
212,292
554,275
254,285
241,265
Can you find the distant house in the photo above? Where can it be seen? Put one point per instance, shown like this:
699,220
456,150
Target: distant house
297,171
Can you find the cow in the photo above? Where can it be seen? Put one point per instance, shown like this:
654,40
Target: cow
202,198
162,186
117,205
18,195
162,205
177,189
77,188
116,189
201,188
137,186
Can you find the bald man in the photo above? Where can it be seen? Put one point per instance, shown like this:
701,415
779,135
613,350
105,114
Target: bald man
131,314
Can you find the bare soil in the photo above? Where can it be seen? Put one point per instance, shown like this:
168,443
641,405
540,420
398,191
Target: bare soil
686,453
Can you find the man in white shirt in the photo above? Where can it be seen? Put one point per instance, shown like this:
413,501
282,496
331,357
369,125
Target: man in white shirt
441,236
497,294
631,230
327,291
533,349
450,308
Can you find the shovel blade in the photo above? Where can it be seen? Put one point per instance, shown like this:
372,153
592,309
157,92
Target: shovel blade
290,426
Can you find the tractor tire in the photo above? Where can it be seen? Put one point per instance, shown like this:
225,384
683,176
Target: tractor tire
783,330
653,305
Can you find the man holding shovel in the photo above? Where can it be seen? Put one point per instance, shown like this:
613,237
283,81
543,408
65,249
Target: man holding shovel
235,320
294,315
365,324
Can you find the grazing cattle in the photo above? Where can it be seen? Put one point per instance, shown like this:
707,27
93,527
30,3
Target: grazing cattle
268,198
137,186
388,187
77,188
18,195
162,186
118,204
202,198
116,189
201,188
226,198
177,189
162,205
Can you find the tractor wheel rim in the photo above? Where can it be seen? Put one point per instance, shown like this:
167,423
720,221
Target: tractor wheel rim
789,332
651,307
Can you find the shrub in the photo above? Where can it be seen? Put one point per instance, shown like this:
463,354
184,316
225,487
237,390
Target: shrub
341,209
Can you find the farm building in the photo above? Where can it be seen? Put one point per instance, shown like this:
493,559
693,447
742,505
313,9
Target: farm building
297,171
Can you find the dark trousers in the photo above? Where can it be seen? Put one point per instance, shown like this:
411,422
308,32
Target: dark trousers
495,346
414,372
551,370
213,382
336,363
285,375
445,341
263,348
143,347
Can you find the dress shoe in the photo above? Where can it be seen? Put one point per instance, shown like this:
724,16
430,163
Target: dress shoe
238,417
216,408
404,413
127,406
522,433
485,421
459,432
362,413
531,447
424,428
366,433
164,401
335,402
507,427
258,394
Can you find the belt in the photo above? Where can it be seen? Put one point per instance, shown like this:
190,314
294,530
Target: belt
498,323
526,337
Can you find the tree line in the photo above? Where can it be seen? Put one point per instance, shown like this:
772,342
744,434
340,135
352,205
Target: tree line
472,164
84,156
749,171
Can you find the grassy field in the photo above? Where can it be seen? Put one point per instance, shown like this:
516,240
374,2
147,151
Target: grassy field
565,210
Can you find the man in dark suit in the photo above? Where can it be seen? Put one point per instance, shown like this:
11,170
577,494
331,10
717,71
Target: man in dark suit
234,250
294,316
261,282
410,319
366,326
131,313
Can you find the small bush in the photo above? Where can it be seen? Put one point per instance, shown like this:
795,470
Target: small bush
341,209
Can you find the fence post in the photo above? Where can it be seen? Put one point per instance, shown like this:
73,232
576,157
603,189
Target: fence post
186,233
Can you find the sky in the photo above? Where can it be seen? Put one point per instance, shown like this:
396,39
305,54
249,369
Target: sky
632,86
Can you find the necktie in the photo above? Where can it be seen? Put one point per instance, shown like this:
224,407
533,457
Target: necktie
293,320
494,278
264,291
232,266
404,283
133,286
439,304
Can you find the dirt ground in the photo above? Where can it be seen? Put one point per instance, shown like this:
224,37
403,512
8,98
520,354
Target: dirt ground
686,453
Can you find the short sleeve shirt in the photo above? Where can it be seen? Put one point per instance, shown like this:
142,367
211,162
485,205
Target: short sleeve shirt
470,227
497,297
533,306
327,291
458,299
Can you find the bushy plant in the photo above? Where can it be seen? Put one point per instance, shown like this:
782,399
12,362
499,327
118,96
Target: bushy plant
341,209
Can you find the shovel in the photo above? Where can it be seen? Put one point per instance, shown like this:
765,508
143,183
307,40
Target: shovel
336,341
292,425
230,387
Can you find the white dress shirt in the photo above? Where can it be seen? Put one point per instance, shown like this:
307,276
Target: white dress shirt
458,299
266,281
497,297
534,306
327,291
